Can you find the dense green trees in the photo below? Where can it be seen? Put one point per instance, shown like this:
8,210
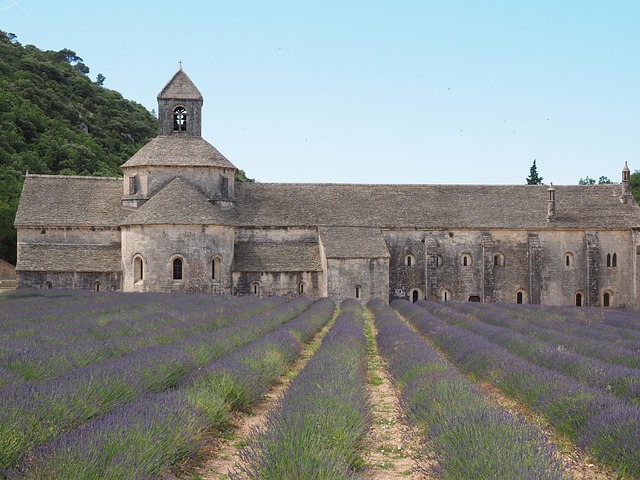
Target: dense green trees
55,120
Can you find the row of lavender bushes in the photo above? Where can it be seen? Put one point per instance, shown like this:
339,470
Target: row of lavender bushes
471,437
57,339
600,320
318,427
141,439
594,339
31,413
606,426
623,382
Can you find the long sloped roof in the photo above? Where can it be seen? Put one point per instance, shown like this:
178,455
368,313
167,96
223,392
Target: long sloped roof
178,151
353,242
70,201
432,206
69,258
277,257
91,201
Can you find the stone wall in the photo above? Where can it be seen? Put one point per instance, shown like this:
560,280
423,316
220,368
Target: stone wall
406,277
102,281
284,284
369,276
500,264
159,246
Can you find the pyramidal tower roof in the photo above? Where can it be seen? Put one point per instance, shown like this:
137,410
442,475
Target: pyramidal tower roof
180,86
174,147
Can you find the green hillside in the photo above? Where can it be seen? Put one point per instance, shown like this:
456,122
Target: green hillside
55,120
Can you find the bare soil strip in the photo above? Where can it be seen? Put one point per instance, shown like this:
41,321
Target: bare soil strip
393,447
219,455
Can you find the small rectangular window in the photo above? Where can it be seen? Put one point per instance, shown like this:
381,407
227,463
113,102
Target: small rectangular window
133,185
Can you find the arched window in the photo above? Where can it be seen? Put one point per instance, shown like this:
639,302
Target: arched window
568,259
301,288
519,297
465,260
358,291
215,269
578,299
446,296
606,299
255,288
179,119
498,260
177,269
138,269
608,259
415,294
439,261
410,260
614,260
97,286
47,285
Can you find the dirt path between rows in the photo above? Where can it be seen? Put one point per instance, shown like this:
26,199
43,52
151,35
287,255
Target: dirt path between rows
393,447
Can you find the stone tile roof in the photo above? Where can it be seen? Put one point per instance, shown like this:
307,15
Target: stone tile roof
7,271
180,86
49,200
93,201
178,151
276,257
179,203
432,206
353,242
69,258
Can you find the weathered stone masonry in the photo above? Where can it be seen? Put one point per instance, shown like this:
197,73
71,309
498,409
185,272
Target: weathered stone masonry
177,221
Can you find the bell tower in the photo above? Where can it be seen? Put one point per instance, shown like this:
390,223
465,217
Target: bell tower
180,107
178,151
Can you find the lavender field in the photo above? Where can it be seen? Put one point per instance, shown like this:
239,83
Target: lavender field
112,386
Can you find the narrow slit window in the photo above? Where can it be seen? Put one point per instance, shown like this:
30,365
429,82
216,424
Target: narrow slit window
357,291
608,259
578,299
133,185
614,260
215,269
568,259
138,269
177,269
301,288
519,298
606,299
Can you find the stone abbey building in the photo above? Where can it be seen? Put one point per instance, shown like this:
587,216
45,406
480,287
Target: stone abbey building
177,221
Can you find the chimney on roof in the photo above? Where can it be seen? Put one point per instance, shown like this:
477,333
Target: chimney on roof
551,204
626,185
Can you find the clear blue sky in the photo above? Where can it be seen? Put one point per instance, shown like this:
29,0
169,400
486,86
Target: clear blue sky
376,91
